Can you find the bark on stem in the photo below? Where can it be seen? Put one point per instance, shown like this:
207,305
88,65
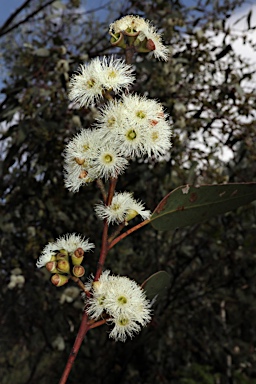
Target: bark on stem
84,327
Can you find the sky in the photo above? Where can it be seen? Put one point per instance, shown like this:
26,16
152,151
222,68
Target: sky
8,6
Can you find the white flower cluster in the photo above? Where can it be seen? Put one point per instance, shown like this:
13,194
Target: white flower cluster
134,126
122,209
91,155
100,75
138,124
137,26
122,300
69,243
17,280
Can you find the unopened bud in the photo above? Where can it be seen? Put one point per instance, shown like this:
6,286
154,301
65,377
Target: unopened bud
59,280
96,285
83,174
131,213
64,252
51,266
144,46
154,122
78,256
62,255
79,161
63,266
53,257
150,45
78,270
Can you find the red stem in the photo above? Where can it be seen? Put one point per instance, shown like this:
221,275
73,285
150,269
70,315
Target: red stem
104,250
98,323
128,232
104,243
84,327
85,324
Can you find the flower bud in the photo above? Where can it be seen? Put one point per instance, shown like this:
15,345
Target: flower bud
96,285
64,252
62,255
144,46
150,45
51,266
83,174
63,266
131,213
59,280
78,270
78,256
79,161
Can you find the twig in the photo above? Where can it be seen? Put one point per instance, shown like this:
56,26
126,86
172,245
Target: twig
128,232
4,32
84,327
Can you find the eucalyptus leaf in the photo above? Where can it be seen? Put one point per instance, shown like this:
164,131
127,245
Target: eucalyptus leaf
156,284
189,205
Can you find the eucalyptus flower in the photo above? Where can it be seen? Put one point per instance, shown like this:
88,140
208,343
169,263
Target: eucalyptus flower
122,208
68,243
88,85
122,300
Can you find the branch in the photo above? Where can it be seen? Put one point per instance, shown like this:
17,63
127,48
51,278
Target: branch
84,327
14,14
128,232
4,31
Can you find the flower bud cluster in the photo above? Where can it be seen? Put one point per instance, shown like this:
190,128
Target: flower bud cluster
63,258
134,31
122,301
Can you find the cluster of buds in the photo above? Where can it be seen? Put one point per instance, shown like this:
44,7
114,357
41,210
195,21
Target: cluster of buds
63,258
134,31
63,265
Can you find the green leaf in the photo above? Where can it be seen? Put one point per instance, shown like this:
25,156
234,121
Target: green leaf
188,205
156,284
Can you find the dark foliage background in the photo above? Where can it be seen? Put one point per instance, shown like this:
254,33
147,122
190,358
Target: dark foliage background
203,330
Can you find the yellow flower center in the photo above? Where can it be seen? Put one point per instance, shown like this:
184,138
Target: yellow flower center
140,114
112,74
108,158
111,121
122,300
90,83
101,300
155,136
86,147
131,135
123,321
115,207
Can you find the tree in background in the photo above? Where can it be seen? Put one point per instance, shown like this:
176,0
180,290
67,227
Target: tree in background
203,330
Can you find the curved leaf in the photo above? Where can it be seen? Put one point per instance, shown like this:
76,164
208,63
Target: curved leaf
188,205
156,284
